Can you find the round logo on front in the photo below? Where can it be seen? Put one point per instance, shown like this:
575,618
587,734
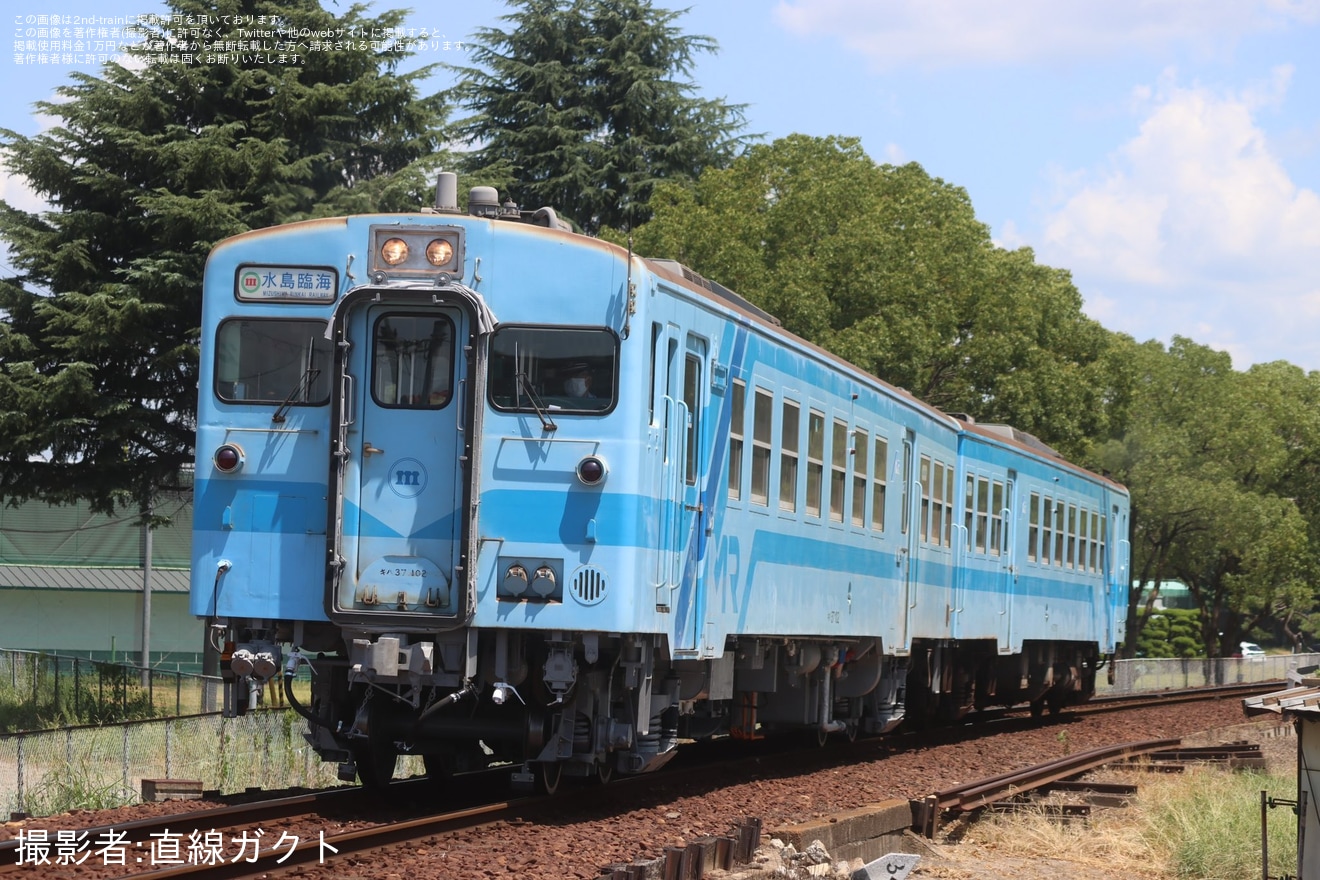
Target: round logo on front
407,478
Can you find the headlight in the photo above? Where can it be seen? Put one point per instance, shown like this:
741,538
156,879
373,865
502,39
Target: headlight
394,251
439,252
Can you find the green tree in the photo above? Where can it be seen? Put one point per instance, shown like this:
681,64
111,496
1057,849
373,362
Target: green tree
1171,632
889,268
584,105
1211,457
147,167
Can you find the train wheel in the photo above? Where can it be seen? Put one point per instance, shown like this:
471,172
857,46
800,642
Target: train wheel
822,737
853,728
1038,708
549,776
375,763
604,772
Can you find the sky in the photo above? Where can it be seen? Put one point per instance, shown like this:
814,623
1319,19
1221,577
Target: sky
1165,152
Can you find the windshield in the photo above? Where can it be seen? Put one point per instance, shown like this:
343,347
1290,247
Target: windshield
556,369
267,360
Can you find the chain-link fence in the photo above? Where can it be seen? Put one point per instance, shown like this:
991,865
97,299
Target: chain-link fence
39,691
1136,676
95,767
101,767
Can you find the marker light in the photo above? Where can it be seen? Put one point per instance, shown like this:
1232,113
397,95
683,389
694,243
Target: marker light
394,251
591,470
228,458
439,252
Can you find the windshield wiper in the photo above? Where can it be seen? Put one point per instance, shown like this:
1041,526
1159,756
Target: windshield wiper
304,384
526,386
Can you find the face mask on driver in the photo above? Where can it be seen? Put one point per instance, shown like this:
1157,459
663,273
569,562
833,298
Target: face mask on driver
576,387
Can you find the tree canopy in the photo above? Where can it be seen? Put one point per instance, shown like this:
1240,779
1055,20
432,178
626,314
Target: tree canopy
889,268
584,105
1217,462
147,167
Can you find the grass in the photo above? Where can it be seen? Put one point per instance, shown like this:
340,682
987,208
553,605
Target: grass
82,786
1200,825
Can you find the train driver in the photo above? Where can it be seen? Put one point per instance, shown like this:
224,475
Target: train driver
577,381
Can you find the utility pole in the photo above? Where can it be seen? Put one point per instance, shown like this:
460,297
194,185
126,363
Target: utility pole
146,596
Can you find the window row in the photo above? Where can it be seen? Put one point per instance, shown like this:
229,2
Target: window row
1065,535
832,456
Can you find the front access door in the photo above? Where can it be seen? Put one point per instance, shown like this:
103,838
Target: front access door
1004,536
909,513
689,385
680,396
402,483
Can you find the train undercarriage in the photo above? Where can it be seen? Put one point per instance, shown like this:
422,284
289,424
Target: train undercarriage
560,705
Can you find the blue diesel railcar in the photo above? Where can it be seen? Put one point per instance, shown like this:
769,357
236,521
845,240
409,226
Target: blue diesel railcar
516,494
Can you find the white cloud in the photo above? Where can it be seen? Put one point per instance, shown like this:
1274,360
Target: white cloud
1196,226
14,190
1196,189
955,33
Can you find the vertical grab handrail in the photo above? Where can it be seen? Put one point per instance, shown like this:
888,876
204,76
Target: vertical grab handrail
678,429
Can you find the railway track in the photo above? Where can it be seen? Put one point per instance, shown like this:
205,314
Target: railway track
331,845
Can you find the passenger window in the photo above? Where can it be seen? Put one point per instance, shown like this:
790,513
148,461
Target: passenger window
948,505
860,473
923,477
1033,528
738,405
939,528
762,417
1047,530
1058,534
969,507
996,517
692,400
788,456
838,469
881,464
1083,536
1072,536
815,461
982,513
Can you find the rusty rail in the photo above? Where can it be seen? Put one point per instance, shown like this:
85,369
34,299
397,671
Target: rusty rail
927,811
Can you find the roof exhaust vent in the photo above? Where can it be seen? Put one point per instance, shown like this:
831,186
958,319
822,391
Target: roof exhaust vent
446,193
483,201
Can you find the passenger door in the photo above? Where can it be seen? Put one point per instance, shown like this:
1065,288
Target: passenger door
1008,560
403,477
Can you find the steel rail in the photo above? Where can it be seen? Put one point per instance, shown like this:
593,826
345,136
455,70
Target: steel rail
136,833
981,793
339,846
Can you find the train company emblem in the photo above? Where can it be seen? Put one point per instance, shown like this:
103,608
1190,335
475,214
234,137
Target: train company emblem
407,478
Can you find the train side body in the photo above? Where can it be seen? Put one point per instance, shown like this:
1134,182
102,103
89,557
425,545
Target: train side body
543,501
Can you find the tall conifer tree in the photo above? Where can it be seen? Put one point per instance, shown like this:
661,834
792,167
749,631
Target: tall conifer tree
583,105
147,167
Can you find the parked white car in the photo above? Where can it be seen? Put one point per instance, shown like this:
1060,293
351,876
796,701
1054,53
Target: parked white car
1250,651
